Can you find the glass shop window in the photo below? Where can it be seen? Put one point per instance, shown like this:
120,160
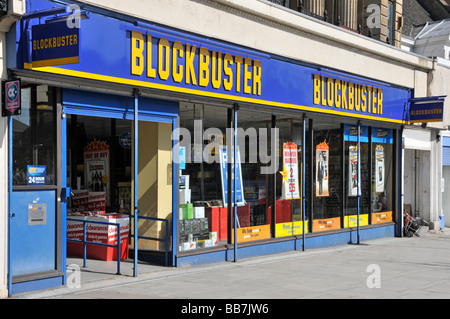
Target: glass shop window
351,171
327,176
289,179
258,167
34,138
382,174
203,215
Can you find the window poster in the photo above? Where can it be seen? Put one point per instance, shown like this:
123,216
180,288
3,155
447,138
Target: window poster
353,171
96,168
379,167
322,156
290,171
237,175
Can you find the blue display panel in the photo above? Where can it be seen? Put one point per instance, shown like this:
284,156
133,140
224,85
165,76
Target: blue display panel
33,232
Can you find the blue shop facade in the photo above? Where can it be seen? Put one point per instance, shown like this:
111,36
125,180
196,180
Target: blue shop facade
124,119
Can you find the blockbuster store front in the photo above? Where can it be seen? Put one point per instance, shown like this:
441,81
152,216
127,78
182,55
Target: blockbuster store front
153,128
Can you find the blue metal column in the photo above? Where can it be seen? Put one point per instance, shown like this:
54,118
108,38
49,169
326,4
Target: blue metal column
304,180
358,177
65,195
175,174
234,195
136,170
10,185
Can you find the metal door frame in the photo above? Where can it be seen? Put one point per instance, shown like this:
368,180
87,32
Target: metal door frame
59,269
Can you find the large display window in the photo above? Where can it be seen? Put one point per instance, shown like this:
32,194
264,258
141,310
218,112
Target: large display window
269,176
289,181
327,176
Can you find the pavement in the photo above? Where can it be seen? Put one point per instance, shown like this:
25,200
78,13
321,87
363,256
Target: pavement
386,268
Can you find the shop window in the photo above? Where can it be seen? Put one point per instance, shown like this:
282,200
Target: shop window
34,138
327,176
351,172
382,174
289,181
203,214
99,164
258,172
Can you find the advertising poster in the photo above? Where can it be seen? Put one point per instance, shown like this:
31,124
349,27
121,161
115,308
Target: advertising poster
322,156
353,171
238,178
379,169
290,172
96,169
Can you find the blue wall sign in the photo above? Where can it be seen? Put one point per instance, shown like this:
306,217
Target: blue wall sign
54,43
155,57
428,109
36,174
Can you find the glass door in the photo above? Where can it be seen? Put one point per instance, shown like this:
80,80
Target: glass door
35,208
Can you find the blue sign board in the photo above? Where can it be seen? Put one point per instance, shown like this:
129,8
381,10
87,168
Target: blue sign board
428,109
54,44
36,174
153,57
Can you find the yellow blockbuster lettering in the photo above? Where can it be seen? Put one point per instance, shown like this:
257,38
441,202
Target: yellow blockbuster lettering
227,63
238,59
163,59
347,95
357,97
380,101
316,85
337,96
369,100
190,70
344,95
330,92
184,62
256,77
351,100
151,72
203,70
177,69
322,84
363,98
247,76
216,69
137,56
374,100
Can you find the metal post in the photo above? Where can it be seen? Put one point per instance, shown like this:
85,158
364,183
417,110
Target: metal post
303,180
358,176
175,181
118,249
10,186
234,195
136,127
84,244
